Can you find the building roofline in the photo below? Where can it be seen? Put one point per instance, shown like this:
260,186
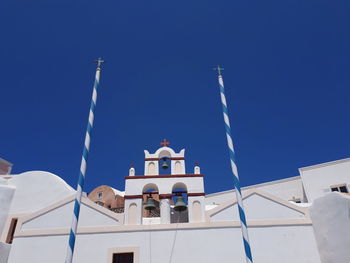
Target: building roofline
257,185
324,164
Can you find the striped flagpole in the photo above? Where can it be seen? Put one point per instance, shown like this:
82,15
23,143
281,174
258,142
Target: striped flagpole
244,228
73,231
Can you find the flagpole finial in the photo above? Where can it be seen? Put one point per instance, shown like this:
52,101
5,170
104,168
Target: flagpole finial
99,62
218,69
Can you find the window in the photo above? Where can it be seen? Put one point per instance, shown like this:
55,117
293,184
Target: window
123,258
12,230
99,195
339,188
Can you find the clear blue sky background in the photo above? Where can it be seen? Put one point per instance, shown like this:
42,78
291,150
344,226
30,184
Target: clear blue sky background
287,76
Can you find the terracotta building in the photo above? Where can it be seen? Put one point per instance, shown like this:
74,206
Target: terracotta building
108,197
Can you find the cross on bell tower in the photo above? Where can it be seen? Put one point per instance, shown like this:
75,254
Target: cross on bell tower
165,143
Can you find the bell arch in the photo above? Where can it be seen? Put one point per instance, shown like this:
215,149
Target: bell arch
150,200
164,154
179,205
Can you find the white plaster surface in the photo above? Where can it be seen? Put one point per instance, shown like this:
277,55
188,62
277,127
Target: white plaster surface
151,220
36,190
62,217
4,252
284,189
165,185
331,220
6,196
257,207
288,244
318,179
137,214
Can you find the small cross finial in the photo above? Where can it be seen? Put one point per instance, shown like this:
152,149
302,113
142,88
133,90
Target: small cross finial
196,163
218,69
132,165
99,62
164,143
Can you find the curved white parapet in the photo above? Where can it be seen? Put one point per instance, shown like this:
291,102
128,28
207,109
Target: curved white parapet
36,190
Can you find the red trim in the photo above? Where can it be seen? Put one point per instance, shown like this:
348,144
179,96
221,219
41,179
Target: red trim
152,159
132,196
162,196
165,196
171,158
163,176
196,194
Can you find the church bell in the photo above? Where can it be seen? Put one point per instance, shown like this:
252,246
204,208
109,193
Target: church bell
180,204
165,165
150,205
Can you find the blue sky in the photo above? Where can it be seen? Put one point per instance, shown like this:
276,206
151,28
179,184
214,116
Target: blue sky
286,75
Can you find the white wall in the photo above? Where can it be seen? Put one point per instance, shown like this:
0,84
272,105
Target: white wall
62,217
165,185
6,196
287,244
36,190
317,179
4,252
257,207
284,189
331,220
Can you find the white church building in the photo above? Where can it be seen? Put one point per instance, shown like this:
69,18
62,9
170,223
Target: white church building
302,219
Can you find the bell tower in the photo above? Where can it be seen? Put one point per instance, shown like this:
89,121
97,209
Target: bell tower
158,198
161,156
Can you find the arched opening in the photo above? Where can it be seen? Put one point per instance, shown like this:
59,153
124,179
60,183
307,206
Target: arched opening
164,162
150,199
179,204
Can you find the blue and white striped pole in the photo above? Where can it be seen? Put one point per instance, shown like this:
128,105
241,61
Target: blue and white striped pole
244,228
73,231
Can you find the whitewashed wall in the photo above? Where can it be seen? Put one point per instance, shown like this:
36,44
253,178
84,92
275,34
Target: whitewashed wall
284,189
165,185
36,190
6,196
288,244
61,217
317,179
258,207
331,220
